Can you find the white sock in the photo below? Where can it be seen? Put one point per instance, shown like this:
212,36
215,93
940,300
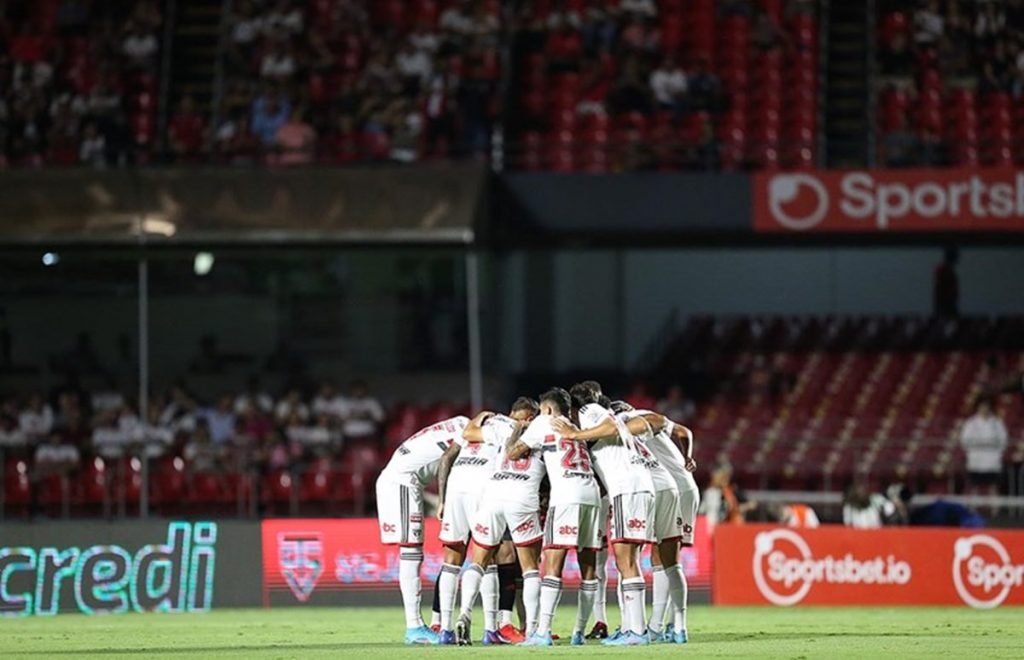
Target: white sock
531,599
550,594
435,618
680,594
587,597
601,597
410,560
446,586
633,596
489,595
659,585
505,618
622,609
471,578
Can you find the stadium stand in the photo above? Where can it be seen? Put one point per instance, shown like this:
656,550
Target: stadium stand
78,82
952,75
796,403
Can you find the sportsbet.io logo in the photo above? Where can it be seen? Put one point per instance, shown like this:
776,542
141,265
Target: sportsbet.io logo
797,201
983,572
785,569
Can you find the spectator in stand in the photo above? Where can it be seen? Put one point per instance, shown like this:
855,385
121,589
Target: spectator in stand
36,421
254,398
235,142
794,515
406,131
946,286
295,141
201,454
630,93
361,414
998,70
928,25
676,406
108,437
989,25
55,458
639,8
186,132
668,84
599,27
12,438
291,406
454,23
900,147
439,133
327,401
895,57
246,28
93,148
983,439
705,88
341,144
269,112
220,419
278,63
481,26
414,66
862,510
285,18
140,47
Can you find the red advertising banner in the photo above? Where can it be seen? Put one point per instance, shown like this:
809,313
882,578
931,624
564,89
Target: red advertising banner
890,201
832,565
304,557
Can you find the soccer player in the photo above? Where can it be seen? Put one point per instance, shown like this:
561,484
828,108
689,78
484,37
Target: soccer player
400,512
621,468
674,519
572,516
510,500
463,473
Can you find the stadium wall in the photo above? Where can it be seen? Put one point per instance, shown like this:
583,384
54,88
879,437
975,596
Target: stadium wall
652,283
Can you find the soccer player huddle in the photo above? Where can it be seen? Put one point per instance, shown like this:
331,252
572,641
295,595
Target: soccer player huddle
572,471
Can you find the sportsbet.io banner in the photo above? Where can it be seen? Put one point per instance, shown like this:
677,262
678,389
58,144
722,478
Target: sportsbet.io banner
758,565
890,201
314,561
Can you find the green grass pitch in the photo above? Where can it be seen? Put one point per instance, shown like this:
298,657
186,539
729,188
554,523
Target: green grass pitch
375,633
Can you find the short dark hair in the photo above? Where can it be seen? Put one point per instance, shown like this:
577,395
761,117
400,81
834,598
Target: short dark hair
620,407
527,404
604,401
594,385
559,397
582,394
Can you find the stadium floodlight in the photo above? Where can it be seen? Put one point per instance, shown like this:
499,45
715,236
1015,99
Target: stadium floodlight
51,259
203,263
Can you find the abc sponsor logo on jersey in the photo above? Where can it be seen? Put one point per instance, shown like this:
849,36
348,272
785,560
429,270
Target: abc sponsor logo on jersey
636,523
525,526
568,530
983,571
865,201
785,568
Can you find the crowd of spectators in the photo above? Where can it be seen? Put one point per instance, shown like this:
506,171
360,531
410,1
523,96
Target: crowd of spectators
928,50
351,80
77,81
245,431
591,67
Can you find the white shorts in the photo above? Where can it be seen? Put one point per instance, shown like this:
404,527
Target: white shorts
668,524
399,512
632,518
689,502
492,518
572,527
459,510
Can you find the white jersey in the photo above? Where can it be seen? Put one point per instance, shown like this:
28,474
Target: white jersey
668,454
475,463
415,461
567,461
616,461
660,476
514,481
